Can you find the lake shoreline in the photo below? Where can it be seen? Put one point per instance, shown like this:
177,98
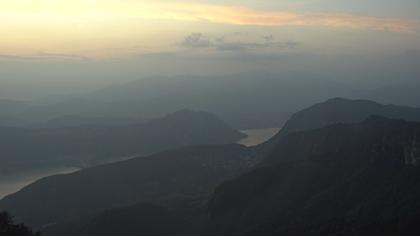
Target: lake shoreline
257,136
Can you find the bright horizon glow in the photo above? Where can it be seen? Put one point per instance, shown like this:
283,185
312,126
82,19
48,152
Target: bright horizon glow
87,27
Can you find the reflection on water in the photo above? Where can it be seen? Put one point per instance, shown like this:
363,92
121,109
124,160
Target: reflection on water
13,182
258,136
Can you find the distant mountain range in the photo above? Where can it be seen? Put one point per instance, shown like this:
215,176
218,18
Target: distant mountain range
337,168
92,143
244,101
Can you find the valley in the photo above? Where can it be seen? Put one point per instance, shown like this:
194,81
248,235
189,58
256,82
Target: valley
15,177
257,136
210,118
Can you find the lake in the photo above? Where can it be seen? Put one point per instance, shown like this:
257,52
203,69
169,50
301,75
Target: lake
258,136
14,178
13,181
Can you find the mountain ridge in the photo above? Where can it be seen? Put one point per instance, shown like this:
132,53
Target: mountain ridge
184,174
338,110
91,143
319,176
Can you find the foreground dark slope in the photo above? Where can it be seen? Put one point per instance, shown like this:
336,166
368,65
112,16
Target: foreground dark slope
9,228
173,177
356,179
140,219
91,142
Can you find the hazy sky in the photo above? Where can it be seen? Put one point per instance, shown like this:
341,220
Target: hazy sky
69,41
104,28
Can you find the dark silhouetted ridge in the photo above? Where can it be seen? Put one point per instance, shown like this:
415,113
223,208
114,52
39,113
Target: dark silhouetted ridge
167,178
140,219
339,110
343,179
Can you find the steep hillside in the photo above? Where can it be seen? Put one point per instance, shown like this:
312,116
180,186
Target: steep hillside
338,180
185,176
339,110
140,219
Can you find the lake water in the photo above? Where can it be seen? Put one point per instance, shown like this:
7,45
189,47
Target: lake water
13,182
258,136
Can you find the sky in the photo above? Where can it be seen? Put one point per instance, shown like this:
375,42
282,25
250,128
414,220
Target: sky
110,28
67,42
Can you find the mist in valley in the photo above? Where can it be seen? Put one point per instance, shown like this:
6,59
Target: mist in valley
209,118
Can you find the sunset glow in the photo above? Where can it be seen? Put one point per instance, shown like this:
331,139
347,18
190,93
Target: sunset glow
87,27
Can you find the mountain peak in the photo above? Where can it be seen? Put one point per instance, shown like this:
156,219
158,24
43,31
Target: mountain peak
341,101
188,113
341,110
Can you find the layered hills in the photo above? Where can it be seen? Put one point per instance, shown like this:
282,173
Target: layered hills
341,167
93,143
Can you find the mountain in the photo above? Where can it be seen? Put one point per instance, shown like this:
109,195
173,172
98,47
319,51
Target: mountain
140,219
76,121
340,110
9,228
93,143
335,169
186,176
343,179
243,101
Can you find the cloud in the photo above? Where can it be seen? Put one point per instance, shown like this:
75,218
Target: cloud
15,57
71,11
42,56
197,40
237,15
87,27
60,55
241,46
201,41
268,37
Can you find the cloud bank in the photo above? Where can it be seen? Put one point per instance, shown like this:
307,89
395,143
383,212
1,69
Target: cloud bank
202,41
87,11
82,27
237,15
